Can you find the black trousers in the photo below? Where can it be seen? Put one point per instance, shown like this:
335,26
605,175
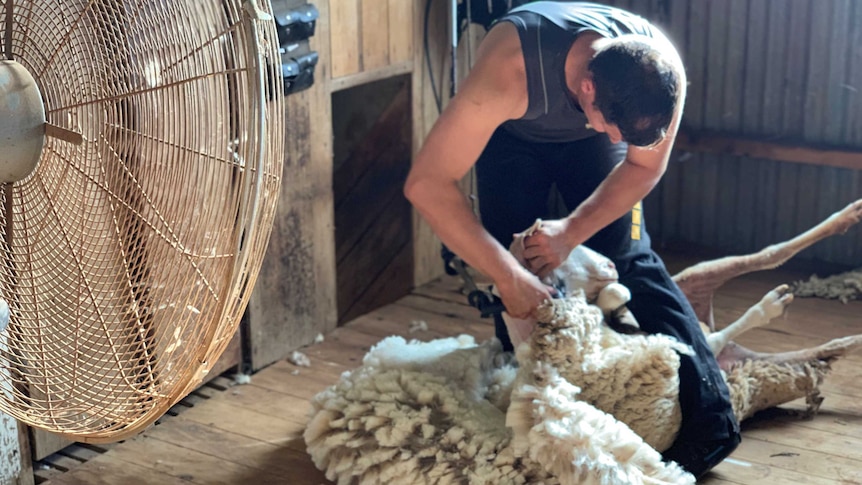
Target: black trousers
514,179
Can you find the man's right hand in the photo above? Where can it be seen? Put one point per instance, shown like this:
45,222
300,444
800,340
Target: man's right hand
523,293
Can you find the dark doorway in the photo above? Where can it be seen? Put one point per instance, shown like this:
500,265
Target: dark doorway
373,221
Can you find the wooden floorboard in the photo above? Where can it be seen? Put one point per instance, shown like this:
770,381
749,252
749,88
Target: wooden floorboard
252,434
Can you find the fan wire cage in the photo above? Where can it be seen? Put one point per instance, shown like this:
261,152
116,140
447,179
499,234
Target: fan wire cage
127,255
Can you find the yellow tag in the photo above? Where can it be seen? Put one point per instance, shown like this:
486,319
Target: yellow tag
636,222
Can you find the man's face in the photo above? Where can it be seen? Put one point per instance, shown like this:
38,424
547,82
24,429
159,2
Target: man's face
598,123
586,97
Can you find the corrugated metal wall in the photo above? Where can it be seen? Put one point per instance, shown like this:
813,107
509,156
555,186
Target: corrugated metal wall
778,70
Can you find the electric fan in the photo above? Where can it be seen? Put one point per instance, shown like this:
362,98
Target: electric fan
141,147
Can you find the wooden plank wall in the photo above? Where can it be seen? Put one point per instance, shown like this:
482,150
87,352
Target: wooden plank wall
361,29
294,298
777,70
354,62
429,70
358,41
370,35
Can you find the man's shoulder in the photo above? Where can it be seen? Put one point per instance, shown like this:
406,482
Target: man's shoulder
502,48
503,40
499,68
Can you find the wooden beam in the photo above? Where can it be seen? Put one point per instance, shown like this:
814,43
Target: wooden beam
400,31
365,77
709,142
343,36
374,34
11,446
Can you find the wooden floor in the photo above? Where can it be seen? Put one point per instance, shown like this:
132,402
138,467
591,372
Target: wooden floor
252,434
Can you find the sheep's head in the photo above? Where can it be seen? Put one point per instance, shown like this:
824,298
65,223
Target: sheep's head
587,270
584,269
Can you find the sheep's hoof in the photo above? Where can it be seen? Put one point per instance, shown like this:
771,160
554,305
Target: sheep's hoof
776,301
623,321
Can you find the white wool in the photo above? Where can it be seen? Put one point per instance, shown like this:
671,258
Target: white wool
633,377
578,443
479,370
436,412
418,326
241,379
299,359
399,426
396,352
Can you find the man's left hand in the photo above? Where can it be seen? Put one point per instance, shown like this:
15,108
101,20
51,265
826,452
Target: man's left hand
547,247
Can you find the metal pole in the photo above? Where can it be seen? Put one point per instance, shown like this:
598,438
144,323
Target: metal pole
469,35
454,47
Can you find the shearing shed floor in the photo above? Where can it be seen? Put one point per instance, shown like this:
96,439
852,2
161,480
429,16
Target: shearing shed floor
230,434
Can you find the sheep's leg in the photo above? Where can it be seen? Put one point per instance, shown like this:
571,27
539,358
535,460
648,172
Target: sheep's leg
734,353
758,385
759,380
700,281
770,306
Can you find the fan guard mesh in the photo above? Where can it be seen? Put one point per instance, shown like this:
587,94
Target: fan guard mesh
127,260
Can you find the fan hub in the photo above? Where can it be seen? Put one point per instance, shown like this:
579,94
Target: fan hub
22,122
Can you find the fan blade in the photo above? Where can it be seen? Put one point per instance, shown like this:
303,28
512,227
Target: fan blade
61,133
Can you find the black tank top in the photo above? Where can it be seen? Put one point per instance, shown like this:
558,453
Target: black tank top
547,30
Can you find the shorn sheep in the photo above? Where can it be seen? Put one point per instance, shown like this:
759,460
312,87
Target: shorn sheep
582,403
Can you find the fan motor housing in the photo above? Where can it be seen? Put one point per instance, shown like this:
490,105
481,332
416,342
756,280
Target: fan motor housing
22,122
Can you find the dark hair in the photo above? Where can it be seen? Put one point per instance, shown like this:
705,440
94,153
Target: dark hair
636,89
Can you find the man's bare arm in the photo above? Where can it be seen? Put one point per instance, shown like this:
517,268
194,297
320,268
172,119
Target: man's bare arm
626,185
494,91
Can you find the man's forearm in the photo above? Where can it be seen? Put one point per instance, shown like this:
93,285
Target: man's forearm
625,186
449,214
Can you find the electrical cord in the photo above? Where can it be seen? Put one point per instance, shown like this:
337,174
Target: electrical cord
437,96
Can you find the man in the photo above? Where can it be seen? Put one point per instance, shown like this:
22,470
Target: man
589,98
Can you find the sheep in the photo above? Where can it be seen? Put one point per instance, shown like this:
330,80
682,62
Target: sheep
574,407
436,413
452,411
585,270
594,274
749,374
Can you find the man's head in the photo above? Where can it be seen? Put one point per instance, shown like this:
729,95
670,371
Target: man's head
635,83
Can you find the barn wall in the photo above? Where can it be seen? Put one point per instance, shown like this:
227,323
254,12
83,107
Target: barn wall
369,36
781,71
297,296
293,299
